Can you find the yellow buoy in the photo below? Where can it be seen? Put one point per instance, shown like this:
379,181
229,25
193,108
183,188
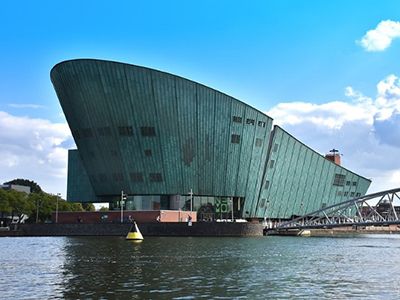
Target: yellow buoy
134,233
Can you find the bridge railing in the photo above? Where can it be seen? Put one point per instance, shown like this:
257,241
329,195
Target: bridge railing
377,208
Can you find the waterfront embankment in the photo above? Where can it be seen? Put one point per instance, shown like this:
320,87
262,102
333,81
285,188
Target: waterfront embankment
217,229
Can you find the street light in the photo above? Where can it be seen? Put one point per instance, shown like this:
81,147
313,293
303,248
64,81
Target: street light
191,199
58,196
123,197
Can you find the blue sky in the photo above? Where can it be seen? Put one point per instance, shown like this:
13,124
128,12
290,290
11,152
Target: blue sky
262,52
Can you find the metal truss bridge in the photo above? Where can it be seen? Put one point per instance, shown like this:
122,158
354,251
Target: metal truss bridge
377,209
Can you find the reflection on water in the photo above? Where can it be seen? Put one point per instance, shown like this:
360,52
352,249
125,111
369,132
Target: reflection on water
365,267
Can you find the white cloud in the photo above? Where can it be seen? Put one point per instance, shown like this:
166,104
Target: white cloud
366,130
25,105
381,37
34,149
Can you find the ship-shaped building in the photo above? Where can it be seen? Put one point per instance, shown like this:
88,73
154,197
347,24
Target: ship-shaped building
158,136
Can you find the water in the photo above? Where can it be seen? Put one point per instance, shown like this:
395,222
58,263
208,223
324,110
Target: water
364,267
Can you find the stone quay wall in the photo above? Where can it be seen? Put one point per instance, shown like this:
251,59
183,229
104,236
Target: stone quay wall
148,229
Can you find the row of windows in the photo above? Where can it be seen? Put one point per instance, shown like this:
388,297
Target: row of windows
134,176
235,139
352,194
249,121
340,179
106,131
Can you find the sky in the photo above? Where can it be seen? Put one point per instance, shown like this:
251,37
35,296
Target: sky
326,71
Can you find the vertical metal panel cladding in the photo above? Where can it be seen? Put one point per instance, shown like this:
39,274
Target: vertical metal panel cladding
298,180
149,132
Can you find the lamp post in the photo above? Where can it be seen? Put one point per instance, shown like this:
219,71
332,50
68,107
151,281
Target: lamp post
191,199
58,196
123,198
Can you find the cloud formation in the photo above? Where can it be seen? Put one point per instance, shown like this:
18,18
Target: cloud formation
366,130
34,149
25,105
381,37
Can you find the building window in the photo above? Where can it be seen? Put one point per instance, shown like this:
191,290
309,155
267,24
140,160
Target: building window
259,142
358,194
250,121
354,183
266,186
147,152
352,194
261,123
339,180
346,193
104,131
125,130
237,119
118,177
275,147
347,182
271,164
136,176
87,132
339,193
155,177
148,131
262,203
235,139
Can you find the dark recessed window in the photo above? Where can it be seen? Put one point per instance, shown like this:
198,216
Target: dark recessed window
237,119
148,131
271,164
266,186
352,194
259,142
118,177
262,203
87,132
261,123
347,182
276,147
339,179
104,131
76,134
136,176
346,193
125,130
358,194
235,139
250,121
147,152
155,177
354,183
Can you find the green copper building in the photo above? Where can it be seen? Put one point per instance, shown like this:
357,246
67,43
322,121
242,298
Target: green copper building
158,136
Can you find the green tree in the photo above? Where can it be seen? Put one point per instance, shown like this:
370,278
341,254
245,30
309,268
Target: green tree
35,188
88,207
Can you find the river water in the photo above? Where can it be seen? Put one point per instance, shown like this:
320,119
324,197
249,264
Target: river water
364,267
